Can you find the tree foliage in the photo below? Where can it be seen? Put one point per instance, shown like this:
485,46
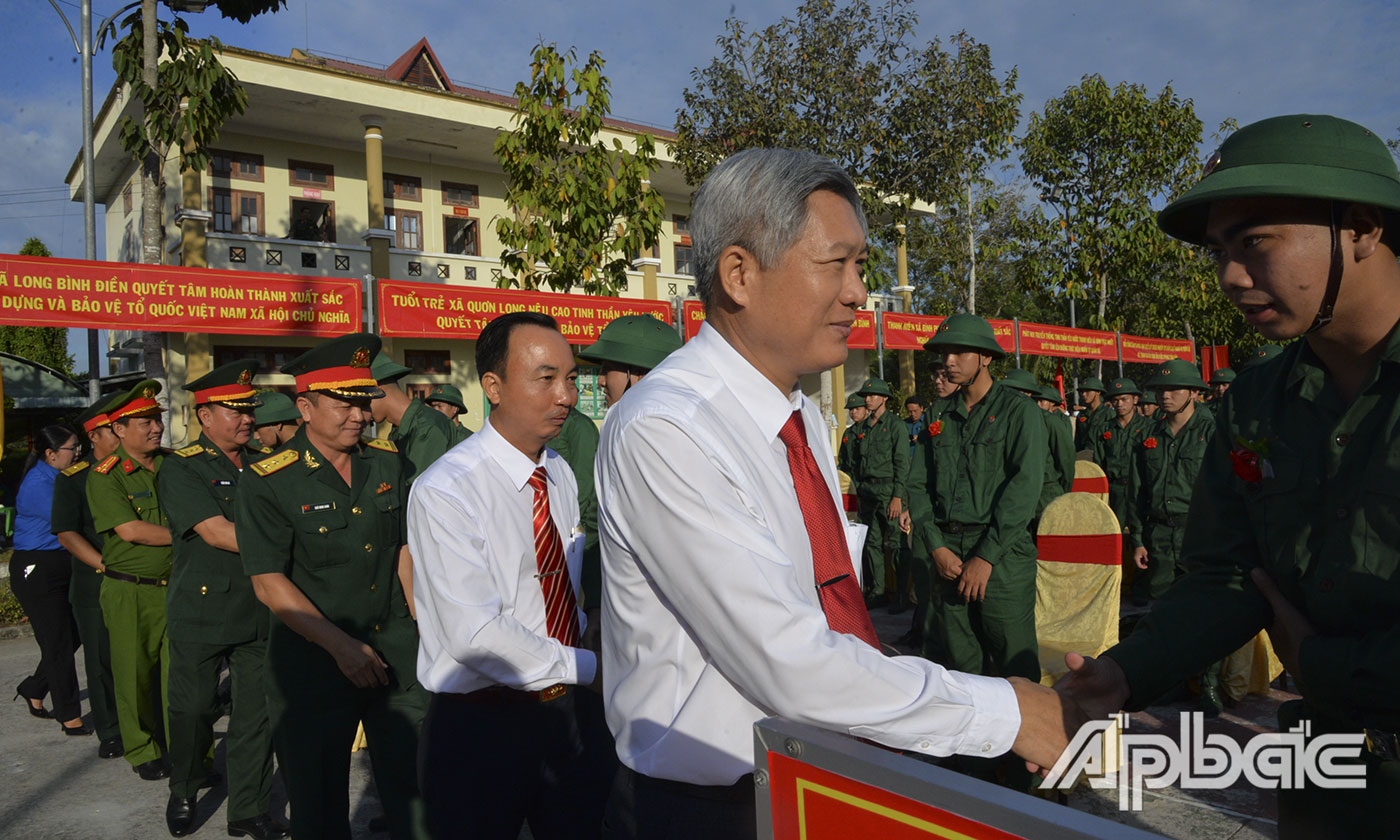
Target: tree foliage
45,345
910,124
581,208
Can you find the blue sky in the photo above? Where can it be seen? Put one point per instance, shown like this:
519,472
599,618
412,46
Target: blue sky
1245,60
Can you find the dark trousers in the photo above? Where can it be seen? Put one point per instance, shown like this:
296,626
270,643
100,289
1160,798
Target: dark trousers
490,762
644,808
40,581
83,594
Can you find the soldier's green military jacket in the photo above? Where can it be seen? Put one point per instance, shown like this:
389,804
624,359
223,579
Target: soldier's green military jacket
1320,512
882,466
121,490
1114,445
920,484
986,468
1059,470
1086,425
848,453
71,513
1165,468
424,434
210,599
577,444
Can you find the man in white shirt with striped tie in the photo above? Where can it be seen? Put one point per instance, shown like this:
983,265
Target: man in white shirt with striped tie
729,594
494,530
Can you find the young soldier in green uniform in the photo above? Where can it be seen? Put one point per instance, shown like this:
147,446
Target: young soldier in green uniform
848,453
1115,442
881,471
1293,523
1096,411
1263,354
1059,444
447,400
213,615
71,522
126,510
1220,382
320,527
275,420
1148,405
420,433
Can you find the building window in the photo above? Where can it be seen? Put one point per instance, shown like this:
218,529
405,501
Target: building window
308,259
682,228
126,201
319,175
236,211
415,269
469,272
237,255
312,221
407,226
685,260
242,165
274,257
428,361
461,236
444,271
459,195
342,262
402,188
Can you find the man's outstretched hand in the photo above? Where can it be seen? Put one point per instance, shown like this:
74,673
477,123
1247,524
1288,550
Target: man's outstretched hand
1093,689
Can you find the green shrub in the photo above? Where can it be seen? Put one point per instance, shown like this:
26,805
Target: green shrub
10,610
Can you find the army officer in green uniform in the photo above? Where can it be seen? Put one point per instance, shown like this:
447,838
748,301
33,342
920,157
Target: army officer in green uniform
212,613
1114,443
136,564
420,434
71,522
320,526
1294,523
881,470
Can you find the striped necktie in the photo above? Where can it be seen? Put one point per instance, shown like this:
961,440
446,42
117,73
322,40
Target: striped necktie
560,607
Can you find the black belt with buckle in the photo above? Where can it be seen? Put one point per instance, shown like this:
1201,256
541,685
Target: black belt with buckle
1383,745
144,581
500,695
1169,521
960,527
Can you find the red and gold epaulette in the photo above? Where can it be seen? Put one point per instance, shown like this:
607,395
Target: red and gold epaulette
281,460
106,465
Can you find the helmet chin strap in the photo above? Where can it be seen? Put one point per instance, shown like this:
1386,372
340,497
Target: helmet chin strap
1334,274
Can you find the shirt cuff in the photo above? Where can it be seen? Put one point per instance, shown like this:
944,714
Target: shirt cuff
996,718
585,666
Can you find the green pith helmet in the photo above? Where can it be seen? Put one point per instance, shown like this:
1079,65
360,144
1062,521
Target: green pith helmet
386,371
230,385
1222,376
1051,393
1121,386
855,401
1091,383
449,394
1176,373
639,341
966,330
339,366
877,387
1021,380
1295,156
1263,354
276,408
1149,398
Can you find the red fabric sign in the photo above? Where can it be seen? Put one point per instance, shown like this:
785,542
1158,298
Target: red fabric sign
692,316
1098,549
1153,351
1067,342
83,294
435,310
908,332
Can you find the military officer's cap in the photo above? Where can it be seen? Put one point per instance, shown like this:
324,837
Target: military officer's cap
1022,380
875,386
95,417
386,371
339,367
140,401
1176,373
1222,376
639,341
1263,354
230,385
1149,398
855,401
450,394
276,408
1121,386
1295,156
1091,383
966,330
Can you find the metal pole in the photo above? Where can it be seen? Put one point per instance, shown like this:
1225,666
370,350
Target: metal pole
1076,361
879,340
1016,337
89,190
1118,339
971,255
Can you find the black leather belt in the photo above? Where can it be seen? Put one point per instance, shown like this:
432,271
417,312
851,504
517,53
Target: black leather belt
1169,521
144,581
500,695
960,527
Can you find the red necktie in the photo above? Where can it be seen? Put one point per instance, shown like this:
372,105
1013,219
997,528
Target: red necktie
560,608
831,559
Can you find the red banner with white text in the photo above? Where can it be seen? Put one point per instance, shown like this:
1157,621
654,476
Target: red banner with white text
1137,348
909,332
1067,342
692,316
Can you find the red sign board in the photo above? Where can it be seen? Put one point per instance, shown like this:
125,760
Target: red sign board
461,211
814,804
1067,342
83,294
1153,350
692,316
434,310
909,332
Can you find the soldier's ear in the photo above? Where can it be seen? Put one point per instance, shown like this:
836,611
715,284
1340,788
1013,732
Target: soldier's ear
1367,227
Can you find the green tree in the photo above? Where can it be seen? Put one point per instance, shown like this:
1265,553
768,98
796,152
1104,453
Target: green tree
910,124
581,208
45,345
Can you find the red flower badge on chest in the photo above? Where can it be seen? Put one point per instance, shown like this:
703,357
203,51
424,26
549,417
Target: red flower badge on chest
935,428
1249,459
1108,435
1150,443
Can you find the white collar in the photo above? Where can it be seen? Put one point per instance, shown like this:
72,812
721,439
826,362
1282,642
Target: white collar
765,403
517,467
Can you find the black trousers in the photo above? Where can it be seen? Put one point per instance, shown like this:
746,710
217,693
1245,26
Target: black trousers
488,764
43,592
644,808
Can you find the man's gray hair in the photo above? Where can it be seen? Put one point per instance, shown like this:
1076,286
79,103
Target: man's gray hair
757,200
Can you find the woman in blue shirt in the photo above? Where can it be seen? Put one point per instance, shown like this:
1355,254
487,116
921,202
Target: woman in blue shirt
40,571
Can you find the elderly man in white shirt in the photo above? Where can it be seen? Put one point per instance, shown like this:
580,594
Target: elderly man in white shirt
729,590
494,531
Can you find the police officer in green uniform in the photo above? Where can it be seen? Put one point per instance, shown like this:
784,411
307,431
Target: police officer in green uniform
212,613
421,434
1115,442
71,522
275,421
446,400
320,527
1294,523
881,470
848,453
1059,444
1096,411
136,555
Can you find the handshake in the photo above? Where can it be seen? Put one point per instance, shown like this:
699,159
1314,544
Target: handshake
1050,717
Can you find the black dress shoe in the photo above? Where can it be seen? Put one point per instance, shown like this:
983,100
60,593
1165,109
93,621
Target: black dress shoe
261,827
153,770
80,729
111,748
179,815
38,712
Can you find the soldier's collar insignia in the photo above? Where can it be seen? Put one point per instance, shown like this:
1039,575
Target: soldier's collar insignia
1211,163
310,460
361,358
245,378
128,467
384,487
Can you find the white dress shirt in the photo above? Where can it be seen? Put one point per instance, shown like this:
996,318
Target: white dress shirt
711,619
481,618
